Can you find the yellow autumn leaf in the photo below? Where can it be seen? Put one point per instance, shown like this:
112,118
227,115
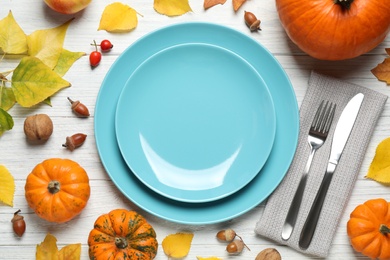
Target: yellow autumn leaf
33,82
208,258
177,245
380,166
172,7
7,186
12,38
118,17
47,44
48,250
66,60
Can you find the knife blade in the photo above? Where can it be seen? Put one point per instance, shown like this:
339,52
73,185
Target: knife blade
340,137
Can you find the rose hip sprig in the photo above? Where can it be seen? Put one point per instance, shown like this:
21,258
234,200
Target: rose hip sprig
95,57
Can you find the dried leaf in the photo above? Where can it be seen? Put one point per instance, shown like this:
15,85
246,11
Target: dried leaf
172,7
70,252
177,245
33,82
47,44
382,71
48,250
7,185
6,121
208,258
66,60
12,38
380,166
118,17
210,3
237,4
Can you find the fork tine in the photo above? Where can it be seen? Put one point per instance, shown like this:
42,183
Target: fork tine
330,117
316,119
323,117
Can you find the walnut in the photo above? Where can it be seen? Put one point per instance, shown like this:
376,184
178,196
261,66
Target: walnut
38,127
269,254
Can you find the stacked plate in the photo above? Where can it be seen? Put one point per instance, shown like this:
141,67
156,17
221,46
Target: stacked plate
196,123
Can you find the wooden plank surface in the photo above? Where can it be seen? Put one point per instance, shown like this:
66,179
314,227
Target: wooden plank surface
20,157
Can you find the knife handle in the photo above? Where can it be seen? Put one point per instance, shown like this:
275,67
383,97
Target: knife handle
311,221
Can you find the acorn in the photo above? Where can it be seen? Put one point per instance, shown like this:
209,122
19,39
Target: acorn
74,141
18,224
79,108
251,21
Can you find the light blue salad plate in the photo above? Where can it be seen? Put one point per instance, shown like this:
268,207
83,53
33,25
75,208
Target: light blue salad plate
286,115
195,122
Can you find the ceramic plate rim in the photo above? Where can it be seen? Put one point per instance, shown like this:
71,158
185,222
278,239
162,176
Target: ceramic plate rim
200,196
245,199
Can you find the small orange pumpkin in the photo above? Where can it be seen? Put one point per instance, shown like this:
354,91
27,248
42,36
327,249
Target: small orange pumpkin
122,234
57,189
335,29
369,229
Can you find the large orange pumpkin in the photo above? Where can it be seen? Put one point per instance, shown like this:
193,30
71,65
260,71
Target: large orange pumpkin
369,229
122,234
335,29
57,189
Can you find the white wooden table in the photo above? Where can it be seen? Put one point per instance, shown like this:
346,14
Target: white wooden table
20,157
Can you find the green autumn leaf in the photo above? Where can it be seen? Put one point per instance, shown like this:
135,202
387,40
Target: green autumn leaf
12,38
47,44
66,60
7,98
33,82
6,121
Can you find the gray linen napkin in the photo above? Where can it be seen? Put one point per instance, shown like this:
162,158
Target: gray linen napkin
271,222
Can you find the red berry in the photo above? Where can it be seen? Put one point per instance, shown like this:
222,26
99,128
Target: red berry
94,58
106,45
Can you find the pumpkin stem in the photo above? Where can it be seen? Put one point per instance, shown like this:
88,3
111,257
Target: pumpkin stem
121,242
53,187
384,229
345,4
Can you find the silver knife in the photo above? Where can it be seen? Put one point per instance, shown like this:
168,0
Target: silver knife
343,129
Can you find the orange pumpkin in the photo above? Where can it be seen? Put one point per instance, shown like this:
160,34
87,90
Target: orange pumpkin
335,29
57,189
369,229
122,234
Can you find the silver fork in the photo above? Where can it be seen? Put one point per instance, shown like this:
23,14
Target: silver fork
317,135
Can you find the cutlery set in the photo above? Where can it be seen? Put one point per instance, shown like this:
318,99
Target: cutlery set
317,136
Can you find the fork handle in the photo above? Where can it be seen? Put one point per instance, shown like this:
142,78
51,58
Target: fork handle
312,219
292,214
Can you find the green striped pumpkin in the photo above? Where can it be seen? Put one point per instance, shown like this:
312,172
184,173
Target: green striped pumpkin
122,234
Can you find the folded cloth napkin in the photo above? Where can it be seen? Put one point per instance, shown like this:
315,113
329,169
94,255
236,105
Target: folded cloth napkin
322,87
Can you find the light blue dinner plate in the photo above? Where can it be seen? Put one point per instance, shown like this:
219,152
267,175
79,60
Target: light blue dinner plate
286,136
195,122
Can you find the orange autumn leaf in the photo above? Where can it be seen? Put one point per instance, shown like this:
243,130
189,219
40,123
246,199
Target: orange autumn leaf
177,245
382,70
210,3
237,4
